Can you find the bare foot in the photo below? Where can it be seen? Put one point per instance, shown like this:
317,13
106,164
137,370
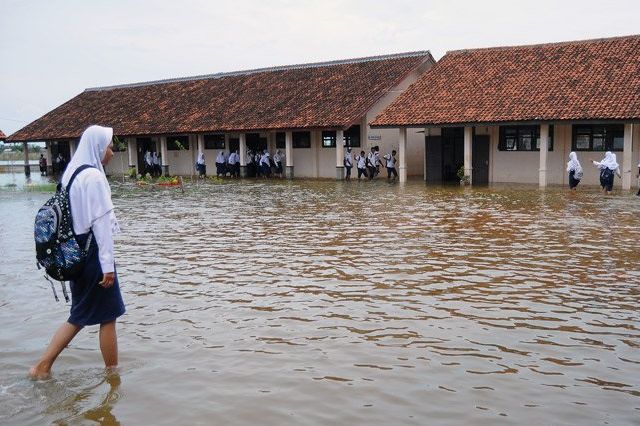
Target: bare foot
39,372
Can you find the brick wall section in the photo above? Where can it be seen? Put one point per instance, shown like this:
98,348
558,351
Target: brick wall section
583,80
298,97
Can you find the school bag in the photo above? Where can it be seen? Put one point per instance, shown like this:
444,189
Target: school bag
57,250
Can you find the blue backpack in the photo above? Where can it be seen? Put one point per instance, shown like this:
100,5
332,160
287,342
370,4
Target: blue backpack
57,250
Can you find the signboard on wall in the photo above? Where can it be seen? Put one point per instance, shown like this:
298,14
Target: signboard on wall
374,137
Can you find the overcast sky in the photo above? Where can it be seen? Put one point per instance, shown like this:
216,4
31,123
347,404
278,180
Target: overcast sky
51,50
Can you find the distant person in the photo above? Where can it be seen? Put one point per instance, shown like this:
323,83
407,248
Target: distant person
201,165
348,164
156,169
95,295
575,171
61,163
361,164
233,164
608,166
220,164
43,165
372,162
277,159
148,163
391,166
265,164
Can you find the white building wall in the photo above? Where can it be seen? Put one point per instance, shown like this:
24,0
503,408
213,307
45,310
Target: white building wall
118,165
303,161
387,139
523,167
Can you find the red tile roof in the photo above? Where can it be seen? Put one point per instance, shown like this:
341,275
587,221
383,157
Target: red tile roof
581,80
2,136
323,95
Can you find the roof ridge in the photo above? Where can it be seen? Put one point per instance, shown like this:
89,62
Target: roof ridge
267,69
538,45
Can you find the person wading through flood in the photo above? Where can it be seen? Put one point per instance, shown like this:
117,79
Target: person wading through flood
391,166
608,166
348,163
95,295
575,171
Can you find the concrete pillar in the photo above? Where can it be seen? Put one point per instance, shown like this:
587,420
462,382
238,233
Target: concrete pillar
402,154
427,132
163,154
243,155
340,154
468,152
48,155
288,152
131,152
626,157
544,147
25,150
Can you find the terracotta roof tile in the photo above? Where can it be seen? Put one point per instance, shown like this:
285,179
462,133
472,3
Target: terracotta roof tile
581,80
2,136
325,95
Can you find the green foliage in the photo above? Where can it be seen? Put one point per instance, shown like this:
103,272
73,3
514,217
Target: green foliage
132,173
118,145
463,178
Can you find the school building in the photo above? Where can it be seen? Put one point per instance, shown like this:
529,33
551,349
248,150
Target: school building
309,112
513,114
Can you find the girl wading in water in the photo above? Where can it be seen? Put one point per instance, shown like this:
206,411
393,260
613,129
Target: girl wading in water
608,166
575,171
96,297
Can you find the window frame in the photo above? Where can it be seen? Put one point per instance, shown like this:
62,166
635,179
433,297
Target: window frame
281,140
353,134
215,141
329,138
609,132
184,141
518,133
299,142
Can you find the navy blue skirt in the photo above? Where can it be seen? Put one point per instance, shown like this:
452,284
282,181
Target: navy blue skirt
91,303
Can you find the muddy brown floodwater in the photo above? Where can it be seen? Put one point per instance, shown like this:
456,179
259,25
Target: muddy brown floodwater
314,303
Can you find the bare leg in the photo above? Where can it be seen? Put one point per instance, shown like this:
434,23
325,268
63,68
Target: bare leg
109,344
60,340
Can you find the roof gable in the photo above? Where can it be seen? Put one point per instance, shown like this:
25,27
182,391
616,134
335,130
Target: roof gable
583,80
333,94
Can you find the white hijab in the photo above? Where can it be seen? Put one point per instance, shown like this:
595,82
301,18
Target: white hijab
200,157
573,163
90,194
609,161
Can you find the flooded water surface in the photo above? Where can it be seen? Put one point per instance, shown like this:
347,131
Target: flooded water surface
341,303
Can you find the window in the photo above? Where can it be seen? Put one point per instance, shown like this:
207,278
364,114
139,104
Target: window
352,136
328,139
177,143
600,137
301,139
522,138
213,141
281,140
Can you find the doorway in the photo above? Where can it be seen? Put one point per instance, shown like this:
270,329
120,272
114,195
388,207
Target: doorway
445,155
144,145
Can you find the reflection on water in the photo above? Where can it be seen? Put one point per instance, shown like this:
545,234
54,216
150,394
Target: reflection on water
323,302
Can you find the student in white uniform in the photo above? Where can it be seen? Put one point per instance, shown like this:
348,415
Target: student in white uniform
95,294
234,164
148,163
265,164
575,171
361,164
608,166
348,163
156,170
220,164
391,166
372,163
277,159
201,166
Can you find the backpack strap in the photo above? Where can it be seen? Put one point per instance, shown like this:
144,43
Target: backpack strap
76,173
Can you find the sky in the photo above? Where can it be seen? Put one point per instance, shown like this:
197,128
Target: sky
51,50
